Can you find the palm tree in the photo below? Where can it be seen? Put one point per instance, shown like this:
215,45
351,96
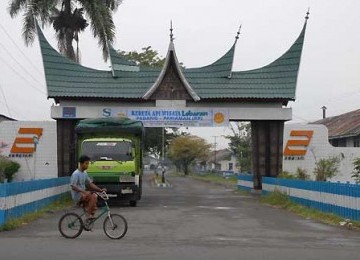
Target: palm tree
67,18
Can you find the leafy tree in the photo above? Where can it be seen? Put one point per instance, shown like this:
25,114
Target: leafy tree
356,171
185,149
67,18
153,139
326,168
148,57
240,144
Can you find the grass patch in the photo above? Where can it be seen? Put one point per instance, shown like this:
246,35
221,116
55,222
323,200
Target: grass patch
281,200
63,202
242,192
215,178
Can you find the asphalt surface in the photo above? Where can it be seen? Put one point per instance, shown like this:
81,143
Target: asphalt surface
190,220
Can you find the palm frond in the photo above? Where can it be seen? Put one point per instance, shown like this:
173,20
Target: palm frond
44,9
16,6
60,37
28,30
102,25
113,4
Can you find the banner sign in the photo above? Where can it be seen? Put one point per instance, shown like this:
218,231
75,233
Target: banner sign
173,117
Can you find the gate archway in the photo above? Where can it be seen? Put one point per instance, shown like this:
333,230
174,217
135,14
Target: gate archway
211,95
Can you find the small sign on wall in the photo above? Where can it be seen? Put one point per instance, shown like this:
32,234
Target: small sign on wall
69,112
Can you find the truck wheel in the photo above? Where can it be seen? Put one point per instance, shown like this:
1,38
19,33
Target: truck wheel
133,203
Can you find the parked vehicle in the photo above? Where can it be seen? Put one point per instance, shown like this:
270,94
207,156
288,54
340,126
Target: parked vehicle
115,146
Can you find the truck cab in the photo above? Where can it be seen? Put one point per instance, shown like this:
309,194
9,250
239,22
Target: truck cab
115,149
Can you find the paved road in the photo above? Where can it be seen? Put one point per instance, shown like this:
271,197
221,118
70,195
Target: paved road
191,220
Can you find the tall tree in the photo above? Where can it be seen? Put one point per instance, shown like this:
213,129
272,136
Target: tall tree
240,144
185,149
147,57
67,18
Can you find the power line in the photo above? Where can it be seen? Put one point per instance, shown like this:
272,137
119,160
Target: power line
6,104
18,63
39,90
8,108
31,63
215,136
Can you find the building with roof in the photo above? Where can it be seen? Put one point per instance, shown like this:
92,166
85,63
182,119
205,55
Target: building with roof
222,160
344,129
174,96
6,118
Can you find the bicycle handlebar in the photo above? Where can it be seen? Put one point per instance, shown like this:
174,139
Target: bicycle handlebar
103,195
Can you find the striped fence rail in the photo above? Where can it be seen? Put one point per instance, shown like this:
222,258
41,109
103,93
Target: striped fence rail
341,199
245,182
19,198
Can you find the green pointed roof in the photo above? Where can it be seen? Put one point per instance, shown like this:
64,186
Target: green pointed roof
119,62
275,81
171,59
220,68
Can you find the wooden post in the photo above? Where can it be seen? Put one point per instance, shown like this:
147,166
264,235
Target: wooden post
267,143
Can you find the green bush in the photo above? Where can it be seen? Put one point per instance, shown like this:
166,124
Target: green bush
7,168
356,171
301,174
326,168
10,170
286,175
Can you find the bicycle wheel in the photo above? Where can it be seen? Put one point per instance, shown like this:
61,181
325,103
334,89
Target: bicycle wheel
115,226
70,225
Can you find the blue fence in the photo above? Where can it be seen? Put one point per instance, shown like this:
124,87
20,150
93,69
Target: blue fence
337,198
19,198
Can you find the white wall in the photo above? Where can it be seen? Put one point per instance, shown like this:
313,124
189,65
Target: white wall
224,164
319,148
42,163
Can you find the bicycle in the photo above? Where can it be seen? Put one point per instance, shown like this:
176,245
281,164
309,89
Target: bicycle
72,224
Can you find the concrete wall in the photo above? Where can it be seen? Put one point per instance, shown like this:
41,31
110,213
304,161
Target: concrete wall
224,164
19,198
39,163
337,198
316,148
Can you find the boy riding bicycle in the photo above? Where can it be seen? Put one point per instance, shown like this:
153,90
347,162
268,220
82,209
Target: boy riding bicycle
81,187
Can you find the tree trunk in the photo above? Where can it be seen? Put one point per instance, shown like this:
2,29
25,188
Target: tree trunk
69,51
186,169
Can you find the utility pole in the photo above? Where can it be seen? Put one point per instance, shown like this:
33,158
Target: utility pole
215,136
163,145
162,158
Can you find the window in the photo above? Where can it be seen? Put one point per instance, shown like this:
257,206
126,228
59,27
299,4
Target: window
108,150
231,165
357,141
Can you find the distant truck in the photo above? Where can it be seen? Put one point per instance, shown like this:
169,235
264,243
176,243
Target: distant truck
115,146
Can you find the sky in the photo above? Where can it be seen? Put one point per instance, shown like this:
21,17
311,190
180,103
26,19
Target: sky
204,30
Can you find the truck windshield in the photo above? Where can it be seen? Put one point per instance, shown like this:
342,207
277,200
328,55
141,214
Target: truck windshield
108,150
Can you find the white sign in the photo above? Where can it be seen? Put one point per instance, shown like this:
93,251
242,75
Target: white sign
172,117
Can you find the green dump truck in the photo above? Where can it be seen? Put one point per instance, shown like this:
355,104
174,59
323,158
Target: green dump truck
115,146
